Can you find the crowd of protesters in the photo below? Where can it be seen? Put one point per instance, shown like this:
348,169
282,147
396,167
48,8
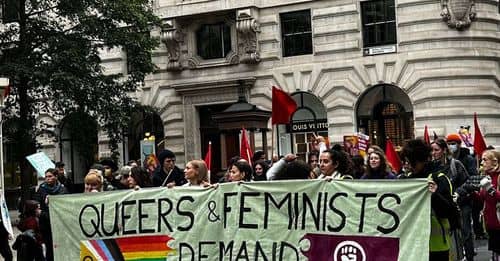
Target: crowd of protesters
464,194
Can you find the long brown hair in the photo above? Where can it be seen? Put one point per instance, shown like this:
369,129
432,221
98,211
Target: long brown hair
141,177
384,168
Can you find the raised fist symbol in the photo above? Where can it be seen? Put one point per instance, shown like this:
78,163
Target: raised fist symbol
348,253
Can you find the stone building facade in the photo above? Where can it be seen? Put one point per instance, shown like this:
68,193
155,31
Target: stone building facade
383,68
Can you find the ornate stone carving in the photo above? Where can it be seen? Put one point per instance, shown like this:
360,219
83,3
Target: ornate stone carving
173,38
458,13
247,28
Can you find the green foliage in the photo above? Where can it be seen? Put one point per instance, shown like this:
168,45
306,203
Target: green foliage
52,57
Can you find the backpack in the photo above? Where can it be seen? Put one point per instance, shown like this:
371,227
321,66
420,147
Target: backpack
454,213
455,179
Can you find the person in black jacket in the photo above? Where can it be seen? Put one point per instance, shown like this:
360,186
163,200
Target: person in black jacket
5,251
465,201
167,174
417,153
51,186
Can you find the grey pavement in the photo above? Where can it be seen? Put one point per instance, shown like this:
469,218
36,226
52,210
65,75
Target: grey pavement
481,245
482,250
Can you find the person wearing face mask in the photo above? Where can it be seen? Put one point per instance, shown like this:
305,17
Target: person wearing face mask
462,154
456,172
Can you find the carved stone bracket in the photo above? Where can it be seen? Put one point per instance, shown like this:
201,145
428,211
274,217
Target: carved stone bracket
172,37
458,14
247,28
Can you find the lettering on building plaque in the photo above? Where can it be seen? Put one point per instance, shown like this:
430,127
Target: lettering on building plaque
308,126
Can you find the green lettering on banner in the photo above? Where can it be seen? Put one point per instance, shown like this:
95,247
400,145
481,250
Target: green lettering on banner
289,220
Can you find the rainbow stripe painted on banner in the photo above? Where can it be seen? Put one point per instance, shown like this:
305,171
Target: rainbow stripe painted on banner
144,248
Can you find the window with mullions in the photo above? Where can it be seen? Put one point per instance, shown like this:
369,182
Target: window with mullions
296,33
379,22
213,40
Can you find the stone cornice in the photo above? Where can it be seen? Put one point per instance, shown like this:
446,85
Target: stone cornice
194,88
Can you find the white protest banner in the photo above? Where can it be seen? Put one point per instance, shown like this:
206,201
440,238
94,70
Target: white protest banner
288,220
41,162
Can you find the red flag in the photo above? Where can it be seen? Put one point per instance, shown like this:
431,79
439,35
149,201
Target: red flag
283,106
208,159
392,156
479,144
208,156
426,136
245,150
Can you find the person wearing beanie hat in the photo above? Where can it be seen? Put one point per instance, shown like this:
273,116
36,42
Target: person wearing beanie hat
167,174
462,154
453,137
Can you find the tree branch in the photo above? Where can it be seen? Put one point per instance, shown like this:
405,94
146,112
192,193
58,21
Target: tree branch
41,11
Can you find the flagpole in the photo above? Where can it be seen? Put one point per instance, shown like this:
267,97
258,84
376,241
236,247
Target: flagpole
272,142
209,163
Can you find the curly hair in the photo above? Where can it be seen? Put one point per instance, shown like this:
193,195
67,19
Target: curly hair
243,166
343,159
265,168
416,151
296,169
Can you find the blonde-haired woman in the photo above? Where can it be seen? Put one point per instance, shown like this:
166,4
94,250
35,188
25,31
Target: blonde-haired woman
196,173
490,194
93,182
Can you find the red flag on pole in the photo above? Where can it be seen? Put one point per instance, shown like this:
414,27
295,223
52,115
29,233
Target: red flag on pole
245,150
208,156
392,156
283,106
479,144
426,135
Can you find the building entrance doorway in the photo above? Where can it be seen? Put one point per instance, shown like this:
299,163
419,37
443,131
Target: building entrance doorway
210,132
78,145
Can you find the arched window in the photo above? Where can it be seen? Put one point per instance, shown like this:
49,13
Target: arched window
78,145
143,121
385,111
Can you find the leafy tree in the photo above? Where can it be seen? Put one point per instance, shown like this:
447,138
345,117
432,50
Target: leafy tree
51,55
